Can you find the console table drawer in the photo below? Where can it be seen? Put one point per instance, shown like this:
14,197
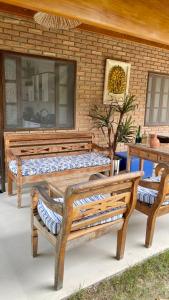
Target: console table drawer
163,158
143,154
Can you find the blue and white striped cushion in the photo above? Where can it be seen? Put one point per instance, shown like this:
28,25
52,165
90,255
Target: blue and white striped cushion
148,196
53,220
59,163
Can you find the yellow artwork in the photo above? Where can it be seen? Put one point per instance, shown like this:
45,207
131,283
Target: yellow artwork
116,80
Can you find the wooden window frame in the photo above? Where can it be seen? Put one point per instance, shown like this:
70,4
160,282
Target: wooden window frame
150,123
3,126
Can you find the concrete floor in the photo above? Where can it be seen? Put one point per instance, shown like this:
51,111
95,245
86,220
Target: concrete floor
25,278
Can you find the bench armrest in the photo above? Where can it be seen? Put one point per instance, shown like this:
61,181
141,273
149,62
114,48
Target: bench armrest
100,149
11,155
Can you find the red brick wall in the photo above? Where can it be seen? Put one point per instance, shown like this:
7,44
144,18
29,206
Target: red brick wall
90,50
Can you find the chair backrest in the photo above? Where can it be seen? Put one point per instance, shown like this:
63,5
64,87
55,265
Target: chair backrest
37,144
120,194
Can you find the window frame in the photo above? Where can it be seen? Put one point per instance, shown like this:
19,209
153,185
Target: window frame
3,53
150,124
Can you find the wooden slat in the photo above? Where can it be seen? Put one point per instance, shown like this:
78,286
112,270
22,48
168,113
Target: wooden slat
85,223
11,137
105,189
144,208
48,154
51,238
48,142
96,230
35,150
99,206
91,170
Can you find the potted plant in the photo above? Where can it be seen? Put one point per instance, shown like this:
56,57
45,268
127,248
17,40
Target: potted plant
115,123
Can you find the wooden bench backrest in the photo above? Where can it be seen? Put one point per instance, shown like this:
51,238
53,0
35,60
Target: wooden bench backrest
121,193
39,144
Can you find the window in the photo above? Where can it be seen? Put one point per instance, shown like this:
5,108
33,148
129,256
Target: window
157,106
39,92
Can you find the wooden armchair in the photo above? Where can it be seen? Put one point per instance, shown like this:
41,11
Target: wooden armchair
91,208
153,199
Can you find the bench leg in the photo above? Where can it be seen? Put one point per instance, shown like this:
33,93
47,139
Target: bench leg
59,265
34,241
150,230
19,194
10,185
121,241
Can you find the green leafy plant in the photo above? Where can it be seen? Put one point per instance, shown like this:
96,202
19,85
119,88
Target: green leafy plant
114,122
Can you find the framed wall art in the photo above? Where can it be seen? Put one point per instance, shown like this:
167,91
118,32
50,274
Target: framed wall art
116,84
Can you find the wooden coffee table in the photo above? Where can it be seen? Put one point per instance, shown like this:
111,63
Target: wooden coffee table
58,186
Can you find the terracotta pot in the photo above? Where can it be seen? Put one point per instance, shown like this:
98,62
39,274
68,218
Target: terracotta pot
154,141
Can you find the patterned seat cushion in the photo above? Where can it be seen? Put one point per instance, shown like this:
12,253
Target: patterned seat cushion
53,220
148,196
59,163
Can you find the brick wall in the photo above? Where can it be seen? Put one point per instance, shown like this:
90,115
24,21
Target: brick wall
90,51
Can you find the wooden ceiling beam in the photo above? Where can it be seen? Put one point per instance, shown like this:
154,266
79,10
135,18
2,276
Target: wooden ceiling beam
140,18
16,10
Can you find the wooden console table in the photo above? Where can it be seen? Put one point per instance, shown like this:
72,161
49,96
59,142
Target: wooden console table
158,155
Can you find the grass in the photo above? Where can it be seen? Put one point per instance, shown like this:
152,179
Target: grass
146,281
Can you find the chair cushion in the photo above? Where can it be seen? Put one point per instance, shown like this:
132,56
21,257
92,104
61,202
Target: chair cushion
59,163
53,220
148,196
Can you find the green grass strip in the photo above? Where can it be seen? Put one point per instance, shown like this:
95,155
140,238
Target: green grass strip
146,281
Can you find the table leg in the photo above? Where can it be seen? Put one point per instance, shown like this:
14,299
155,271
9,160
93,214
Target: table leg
128,162
141,164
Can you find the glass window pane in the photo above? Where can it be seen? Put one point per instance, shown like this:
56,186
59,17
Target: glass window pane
62,115
165,100
148,99
158,84
11,115
166,85
10,69
155,115
10,92
63,95
163,115
42,86
63,74
156,100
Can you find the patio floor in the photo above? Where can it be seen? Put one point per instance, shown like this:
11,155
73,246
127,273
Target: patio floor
22,277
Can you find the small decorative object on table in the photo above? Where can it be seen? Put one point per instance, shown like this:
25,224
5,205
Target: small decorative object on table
154,141
145,138
138,135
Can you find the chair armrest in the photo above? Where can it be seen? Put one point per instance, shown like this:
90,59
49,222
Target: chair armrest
97,176
161,168
149,184
56,206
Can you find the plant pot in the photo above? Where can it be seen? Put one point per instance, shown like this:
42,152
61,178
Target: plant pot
154,141
116,165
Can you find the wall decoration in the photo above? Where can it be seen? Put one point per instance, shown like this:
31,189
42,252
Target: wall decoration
116,82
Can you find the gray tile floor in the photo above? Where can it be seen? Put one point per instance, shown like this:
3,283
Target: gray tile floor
25,278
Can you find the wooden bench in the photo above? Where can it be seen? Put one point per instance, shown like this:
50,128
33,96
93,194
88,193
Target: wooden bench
20,149
87,217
